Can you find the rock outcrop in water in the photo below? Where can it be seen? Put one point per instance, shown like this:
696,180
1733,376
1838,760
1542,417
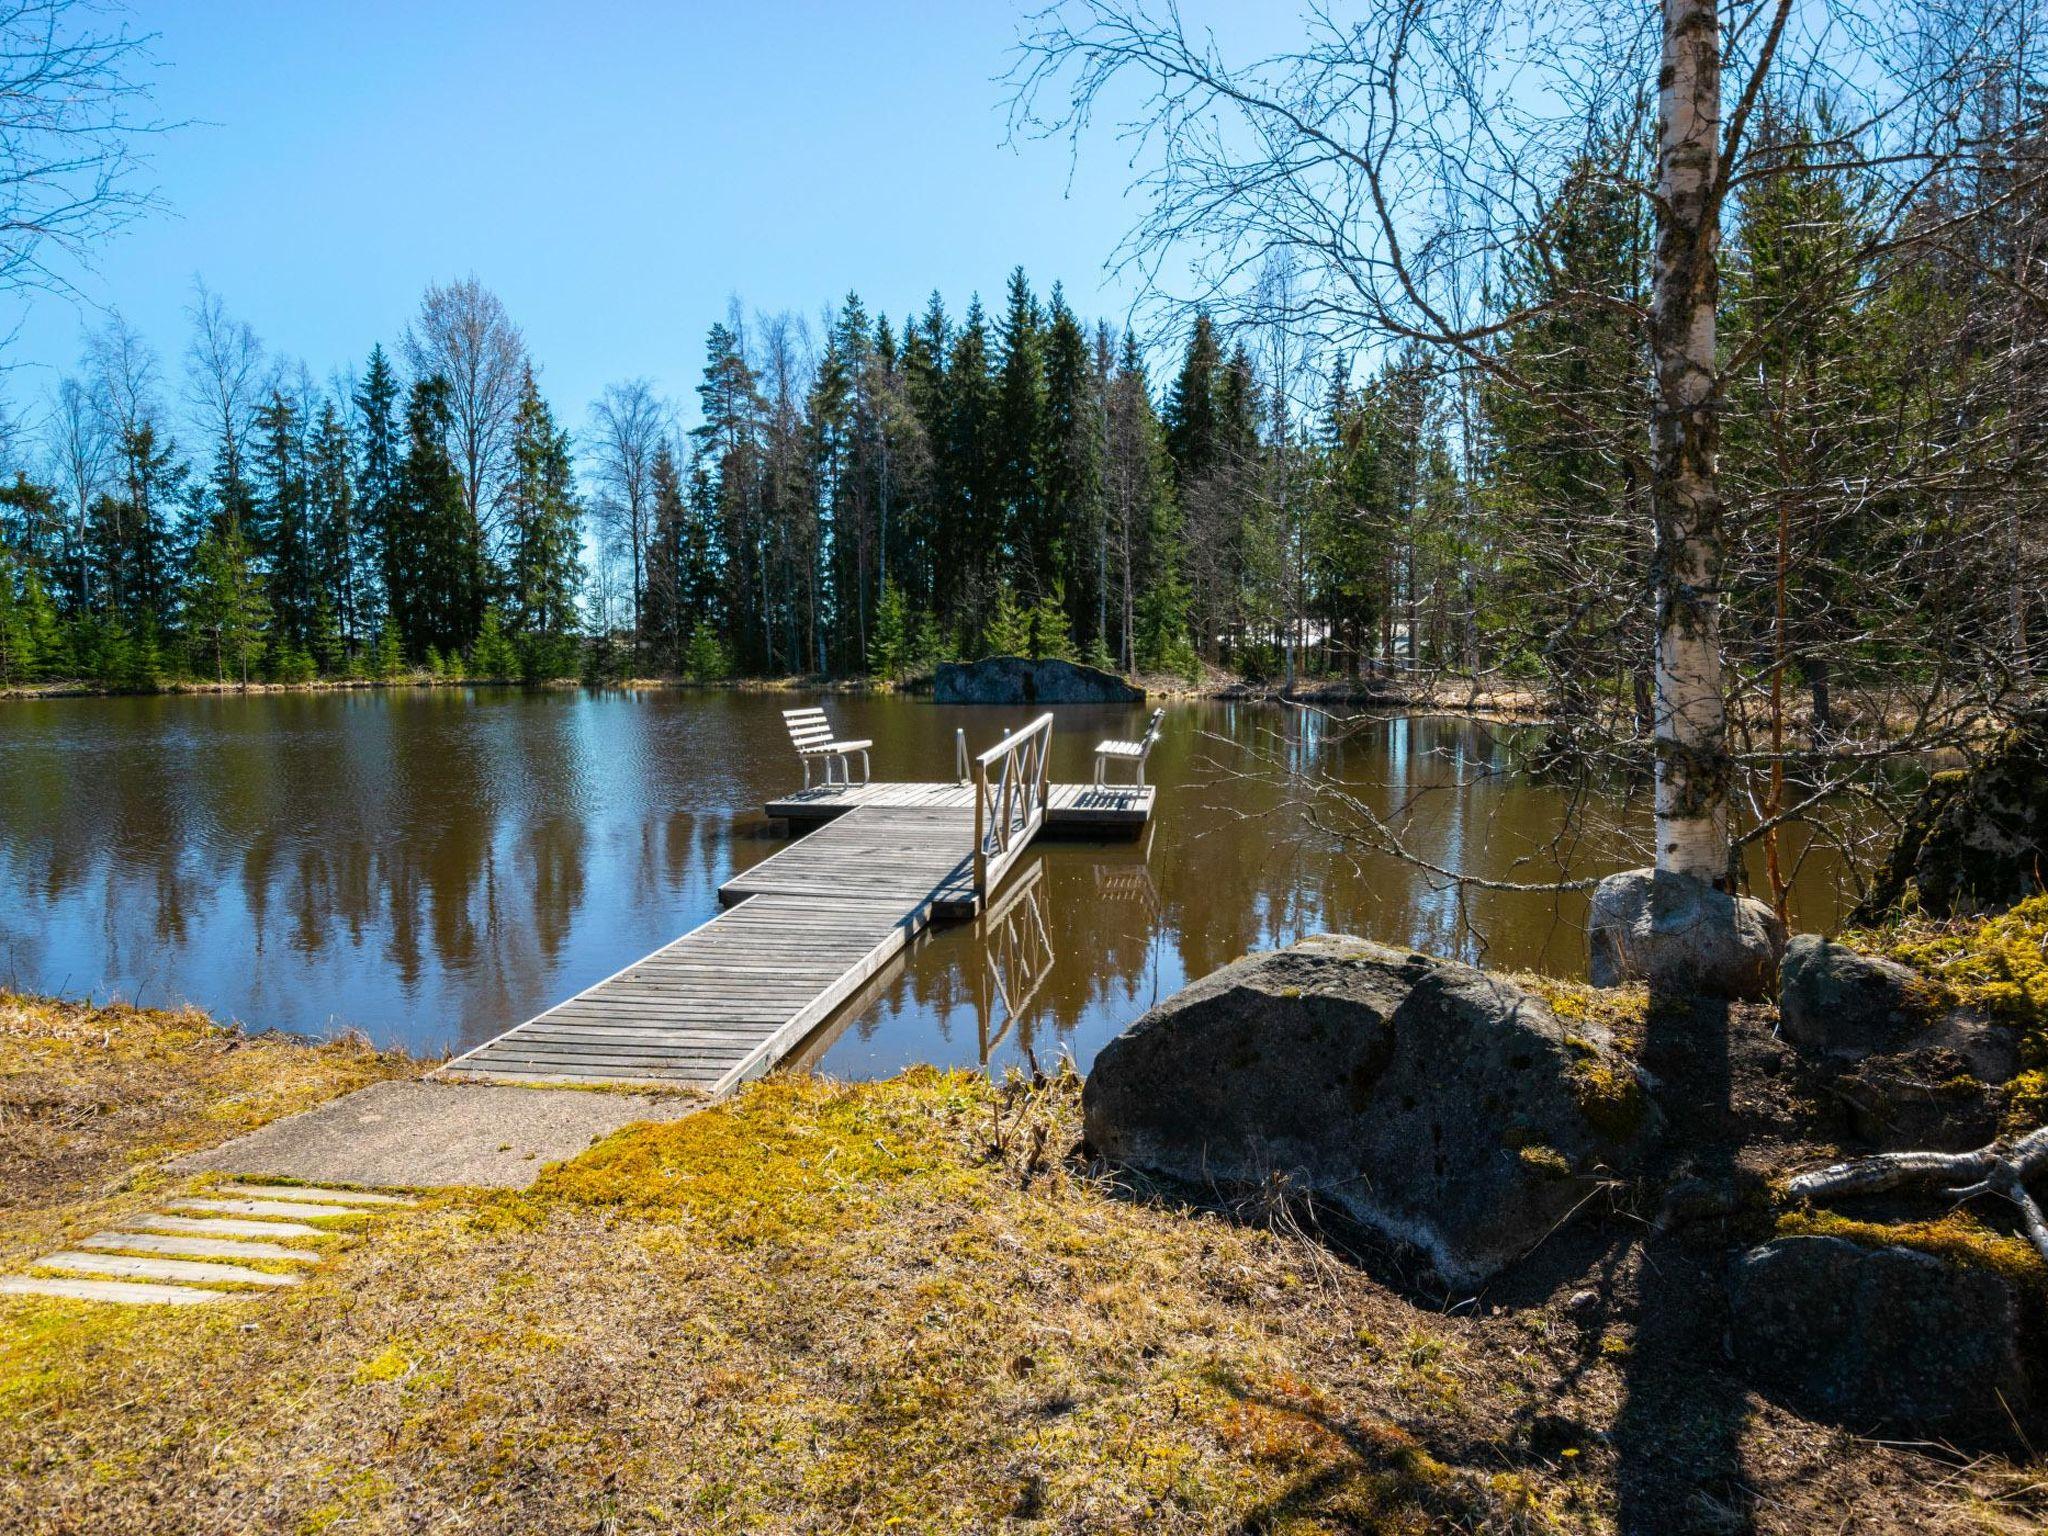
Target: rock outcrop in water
1443,1107
1017,680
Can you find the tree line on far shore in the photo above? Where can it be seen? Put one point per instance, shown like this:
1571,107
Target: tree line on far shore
869,496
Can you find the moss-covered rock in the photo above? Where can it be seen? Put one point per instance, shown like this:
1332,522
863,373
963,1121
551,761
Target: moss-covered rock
1880,1335
1445,1108
1977,840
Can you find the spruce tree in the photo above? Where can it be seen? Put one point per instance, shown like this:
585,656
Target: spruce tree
225,612
1008,630
448,598
544,559
1065,550
385,530
343,554
889,644
1018,429
493,655
285,544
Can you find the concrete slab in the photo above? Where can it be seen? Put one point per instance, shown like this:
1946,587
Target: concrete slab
224,1226
132,1292
120,1266
297,1210
198,1247
417,1134
310,1192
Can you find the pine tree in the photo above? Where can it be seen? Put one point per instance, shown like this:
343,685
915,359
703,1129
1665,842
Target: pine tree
970,517
344,555
387,660
1193,434
1067,547
666,617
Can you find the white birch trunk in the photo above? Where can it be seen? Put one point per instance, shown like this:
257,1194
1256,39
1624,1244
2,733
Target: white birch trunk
1693,767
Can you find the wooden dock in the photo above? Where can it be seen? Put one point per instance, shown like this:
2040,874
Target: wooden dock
806,928
1096,808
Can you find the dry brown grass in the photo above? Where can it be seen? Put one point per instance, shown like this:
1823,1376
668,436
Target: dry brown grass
92,1099
898,1306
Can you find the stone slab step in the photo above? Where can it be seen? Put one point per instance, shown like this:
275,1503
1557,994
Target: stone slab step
310,1192
221,1226
198,1247
184,1271
132,1292
300,1209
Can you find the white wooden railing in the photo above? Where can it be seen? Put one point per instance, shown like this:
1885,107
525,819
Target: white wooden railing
1011,782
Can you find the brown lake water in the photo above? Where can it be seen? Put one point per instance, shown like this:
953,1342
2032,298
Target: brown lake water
432,866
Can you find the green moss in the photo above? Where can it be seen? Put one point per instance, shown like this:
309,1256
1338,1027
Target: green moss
1996,964
1610,1096
1958,1238
1545,1160
791,1155
2026,1104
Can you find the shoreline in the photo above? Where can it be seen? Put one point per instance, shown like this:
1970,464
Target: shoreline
1456,697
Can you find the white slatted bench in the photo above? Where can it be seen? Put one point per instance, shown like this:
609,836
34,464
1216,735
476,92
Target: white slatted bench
812,734
1132,752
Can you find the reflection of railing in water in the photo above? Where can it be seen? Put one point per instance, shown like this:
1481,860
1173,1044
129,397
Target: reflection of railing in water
1016,957
1011,780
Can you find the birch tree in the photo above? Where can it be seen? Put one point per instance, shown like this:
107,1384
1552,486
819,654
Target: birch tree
1392,156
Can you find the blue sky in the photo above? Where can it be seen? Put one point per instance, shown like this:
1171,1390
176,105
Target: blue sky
614,171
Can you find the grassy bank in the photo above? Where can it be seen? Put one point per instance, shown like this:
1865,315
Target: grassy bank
906,1305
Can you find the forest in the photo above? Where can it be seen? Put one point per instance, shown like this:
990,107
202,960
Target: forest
860,496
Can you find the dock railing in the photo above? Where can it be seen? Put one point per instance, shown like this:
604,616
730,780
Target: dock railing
1011,782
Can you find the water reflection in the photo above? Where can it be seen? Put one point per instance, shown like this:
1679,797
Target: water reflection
431,866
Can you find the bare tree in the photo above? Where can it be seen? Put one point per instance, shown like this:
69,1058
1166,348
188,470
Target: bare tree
629,426
124,374
463,334
78,444
74,113
226,378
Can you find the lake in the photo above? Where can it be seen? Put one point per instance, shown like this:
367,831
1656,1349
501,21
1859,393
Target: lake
430,866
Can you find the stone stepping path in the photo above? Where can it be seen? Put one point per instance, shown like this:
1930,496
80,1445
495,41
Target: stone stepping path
162,1259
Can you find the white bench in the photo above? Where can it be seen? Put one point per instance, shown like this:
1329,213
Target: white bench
812,734
1132,752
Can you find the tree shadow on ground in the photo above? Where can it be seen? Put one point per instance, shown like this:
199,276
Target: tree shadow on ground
1678,1436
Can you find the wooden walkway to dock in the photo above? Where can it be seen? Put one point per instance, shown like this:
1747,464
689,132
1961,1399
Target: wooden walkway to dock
803,930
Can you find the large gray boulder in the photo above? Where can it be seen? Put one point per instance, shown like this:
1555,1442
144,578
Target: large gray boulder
1445,1108
1681,935
1016,680
1878,1335
1836,1001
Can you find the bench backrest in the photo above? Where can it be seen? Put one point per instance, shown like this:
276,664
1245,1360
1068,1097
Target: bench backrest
1152,730
808,728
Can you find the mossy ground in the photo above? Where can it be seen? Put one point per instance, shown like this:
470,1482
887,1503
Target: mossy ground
902,1306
